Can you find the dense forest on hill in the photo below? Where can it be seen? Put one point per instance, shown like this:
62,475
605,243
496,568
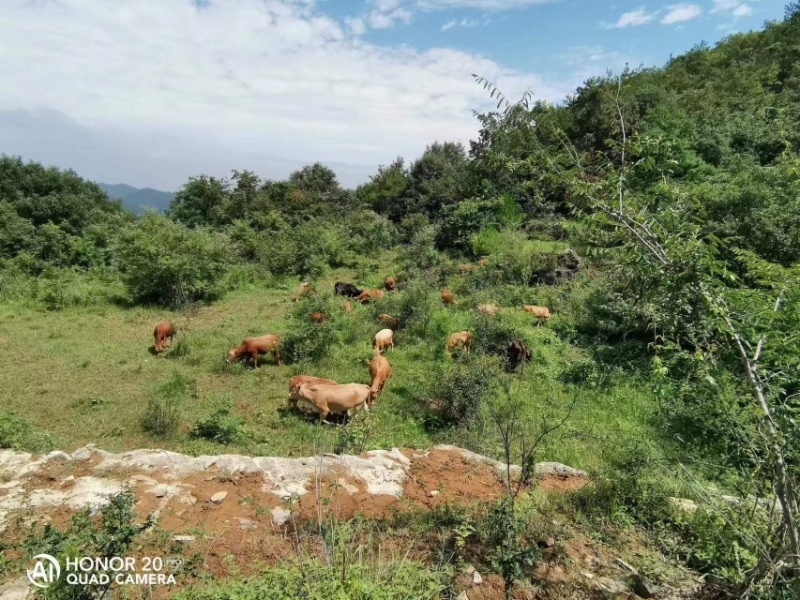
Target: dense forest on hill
679,190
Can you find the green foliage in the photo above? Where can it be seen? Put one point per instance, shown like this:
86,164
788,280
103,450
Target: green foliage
162,262
54,216
18,434
162,415
223,426
112,535
313,579
463,220
459,389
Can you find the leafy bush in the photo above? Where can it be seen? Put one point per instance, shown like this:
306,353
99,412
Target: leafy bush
162,415
111,535
223,426
305,250
314,579
18,434
164,263
460,389
461,221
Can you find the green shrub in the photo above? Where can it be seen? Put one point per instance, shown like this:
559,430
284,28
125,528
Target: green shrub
223,426
306,250
111,535
165,263
17,433
162,415
314,579
460,388
461,221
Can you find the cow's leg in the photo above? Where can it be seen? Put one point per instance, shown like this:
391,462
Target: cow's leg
392,345
254,355
277,353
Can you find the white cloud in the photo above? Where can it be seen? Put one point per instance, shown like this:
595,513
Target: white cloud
742,10
237,79
466,23
387,20
723,5
633,18
496,5
356,25
736,7
679,13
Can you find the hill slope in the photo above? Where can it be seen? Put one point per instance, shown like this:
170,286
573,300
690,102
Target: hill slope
137,199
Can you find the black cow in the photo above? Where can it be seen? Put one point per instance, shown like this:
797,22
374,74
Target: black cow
346,289
516,353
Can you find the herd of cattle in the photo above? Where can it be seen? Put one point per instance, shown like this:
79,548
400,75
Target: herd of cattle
324,396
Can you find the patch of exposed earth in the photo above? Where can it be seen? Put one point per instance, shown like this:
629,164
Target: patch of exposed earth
239,513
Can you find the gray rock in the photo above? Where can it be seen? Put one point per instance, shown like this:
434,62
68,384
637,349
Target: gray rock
57,454
15,590
643,587
219,497
476,578
280,515
611,586
184,539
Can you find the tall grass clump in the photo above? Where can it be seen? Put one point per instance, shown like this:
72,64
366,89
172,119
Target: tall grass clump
162,415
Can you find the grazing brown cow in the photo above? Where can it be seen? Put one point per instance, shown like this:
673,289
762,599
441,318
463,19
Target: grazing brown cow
392,323
488,309
390,283
379,371
326,399
460,339
517,352
449,298
542,313
384,338
483,262
252,347
348,309
163,330
368,295
298,380
319,317
305,288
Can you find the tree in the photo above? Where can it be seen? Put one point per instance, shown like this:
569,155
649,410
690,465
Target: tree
200,202
387,191
439,178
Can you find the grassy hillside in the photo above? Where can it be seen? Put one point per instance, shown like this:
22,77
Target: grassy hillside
656,214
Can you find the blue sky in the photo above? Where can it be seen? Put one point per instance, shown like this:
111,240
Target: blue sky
150,92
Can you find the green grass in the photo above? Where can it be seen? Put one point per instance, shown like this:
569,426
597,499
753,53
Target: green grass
85,375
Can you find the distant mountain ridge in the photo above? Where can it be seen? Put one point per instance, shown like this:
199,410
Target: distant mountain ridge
137,199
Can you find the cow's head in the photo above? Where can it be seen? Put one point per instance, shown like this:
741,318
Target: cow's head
232,356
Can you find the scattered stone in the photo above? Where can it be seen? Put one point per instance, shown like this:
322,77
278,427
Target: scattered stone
587,575
69,480
15,590
280,515
625,566
683,504
546,543
159,491
611,586
433,493
184,539
219,497
462,596
476,578
247,523
188,499
84,453
57,454
469,569
643,587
